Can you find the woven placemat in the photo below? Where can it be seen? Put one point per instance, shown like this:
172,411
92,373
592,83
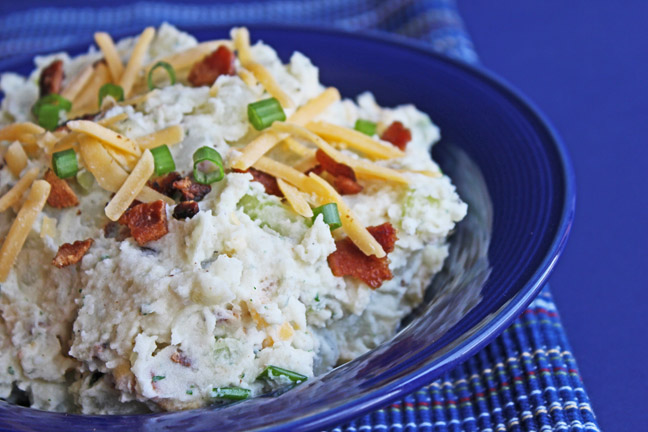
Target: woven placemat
527,379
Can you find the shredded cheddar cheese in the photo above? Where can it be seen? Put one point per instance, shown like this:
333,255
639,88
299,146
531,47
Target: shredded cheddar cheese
87,100
134,183
169,136
264,142
109,175
76,84
18,131
263,75
362,168
14,194
135,62
16,158
48,227
107,47
358,234
22,225
105,135
295,198
186,59
355,140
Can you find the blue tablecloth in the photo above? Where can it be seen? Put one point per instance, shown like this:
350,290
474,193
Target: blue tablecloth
527,379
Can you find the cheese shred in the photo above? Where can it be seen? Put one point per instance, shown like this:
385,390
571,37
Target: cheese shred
295,198
264,142
134,183
22,226
135,62
14,194
107,47
105,135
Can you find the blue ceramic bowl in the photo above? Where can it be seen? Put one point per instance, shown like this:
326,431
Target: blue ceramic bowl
508,164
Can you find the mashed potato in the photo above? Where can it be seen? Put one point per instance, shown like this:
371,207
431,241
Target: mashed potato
243,284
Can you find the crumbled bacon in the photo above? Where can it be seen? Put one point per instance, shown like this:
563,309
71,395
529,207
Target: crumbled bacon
397,134
61,194
346,186
185,188
51,78
146,221
317,169
164,185
269,182
191,190
348,260
186,210
344,179
71,253
333,167
181,359
205,72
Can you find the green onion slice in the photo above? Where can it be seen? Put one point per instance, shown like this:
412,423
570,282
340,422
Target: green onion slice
48,116
65,163
85,179
117,92
365,126
263,113
167,67
330,213
271,372
232,393
163,160
208,154
51,99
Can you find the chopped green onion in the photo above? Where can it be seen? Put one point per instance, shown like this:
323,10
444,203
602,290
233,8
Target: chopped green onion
167,67
51,99
330,213
85,179
48,116
208,154
263,113
365,126
65,163
163,160
158,378
271,372
117,92
233,393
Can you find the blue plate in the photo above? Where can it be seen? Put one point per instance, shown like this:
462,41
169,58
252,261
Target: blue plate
507,163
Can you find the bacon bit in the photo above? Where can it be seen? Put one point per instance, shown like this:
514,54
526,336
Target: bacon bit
384,234
205,72
191,190
164,185
347,186
61,195
317,169
51,78
147,221
181,359
186,209
397,134
174,184
269,182
335,168
71,253
344,181
348,260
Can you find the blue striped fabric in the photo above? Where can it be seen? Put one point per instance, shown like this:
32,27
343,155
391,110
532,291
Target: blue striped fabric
527,379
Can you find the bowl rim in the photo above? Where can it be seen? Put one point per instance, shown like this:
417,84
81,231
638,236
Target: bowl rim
385,393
